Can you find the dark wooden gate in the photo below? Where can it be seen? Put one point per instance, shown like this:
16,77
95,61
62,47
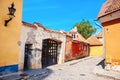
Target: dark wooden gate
49,52
27,52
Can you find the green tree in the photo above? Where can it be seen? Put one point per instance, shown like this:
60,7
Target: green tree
85,28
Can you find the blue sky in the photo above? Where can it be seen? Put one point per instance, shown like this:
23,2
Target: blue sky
61,14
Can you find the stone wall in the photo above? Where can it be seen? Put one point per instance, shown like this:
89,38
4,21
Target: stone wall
25,33
35,37
34,59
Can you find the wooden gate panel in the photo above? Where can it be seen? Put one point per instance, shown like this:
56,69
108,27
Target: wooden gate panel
49,52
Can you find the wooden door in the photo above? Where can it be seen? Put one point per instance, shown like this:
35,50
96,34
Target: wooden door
49,52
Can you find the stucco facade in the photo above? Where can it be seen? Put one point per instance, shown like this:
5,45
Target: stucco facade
109,16
10,35
96,51
36,36
68,48
112,38
76,45
25,31
96,46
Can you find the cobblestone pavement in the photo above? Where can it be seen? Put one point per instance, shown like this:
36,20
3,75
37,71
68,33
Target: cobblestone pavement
81,69
36,74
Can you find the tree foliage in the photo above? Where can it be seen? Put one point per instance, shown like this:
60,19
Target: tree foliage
85,28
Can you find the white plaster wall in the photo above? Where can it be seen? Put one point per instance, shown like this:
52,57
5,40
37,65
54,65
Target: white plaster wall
24,35
41,35
35,37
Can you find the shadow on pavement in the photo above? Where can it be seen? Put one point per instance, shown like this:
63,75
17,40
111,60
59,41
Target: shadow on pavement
36,74
101,63
49,72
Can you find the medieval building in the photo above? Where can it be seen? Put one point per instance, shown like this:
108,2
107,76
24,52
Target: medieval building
40,47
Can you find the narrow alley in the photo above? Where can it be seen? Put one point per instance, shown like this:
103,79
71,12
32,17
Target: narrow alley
59,40
87,68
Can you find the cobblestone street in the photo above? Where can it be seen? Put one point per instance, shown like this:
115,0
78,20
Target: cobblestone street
81,69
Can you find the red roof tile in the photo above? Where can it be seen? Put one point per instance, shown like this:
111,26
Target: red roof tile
41,26
108,7
29,25
81,38
93,41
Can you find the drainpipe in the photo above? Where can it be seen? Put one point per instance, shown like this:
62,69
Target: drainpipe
99,25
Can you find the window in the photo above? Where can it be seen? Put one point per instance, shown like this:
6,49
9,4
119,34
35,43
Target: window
74,36
27,48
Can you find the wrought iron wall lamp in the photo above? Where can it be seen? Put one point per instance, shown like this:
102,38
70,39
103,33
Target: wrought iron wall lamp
11,14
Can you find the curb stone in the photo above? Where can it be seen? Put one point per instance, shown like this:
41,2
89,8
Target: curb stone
108,74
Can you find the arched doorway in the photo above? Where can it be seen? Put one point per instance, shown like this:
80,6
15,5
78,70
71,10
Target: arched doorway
49,52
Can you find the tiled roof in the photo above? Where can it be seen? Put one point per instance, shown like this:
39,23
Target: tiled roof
108,7
29,25
100,35
81,38
41,26
49,30
67,34
73,32
93,41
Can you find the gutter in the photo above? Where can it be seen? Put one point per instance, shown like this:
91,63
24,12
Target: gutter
108,13
99,25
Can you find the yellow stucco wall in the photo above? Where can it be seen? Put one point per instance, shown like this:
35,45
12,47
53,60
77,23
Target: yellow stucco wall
96,51
112,42
10,35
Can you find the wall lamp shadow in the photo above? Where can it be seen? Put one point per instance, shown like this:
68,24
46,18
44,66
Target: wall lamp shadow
11,14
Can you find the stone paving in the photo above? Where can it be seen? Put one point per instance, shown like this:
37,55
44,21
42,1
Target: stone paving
25,75
80,69
115,75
